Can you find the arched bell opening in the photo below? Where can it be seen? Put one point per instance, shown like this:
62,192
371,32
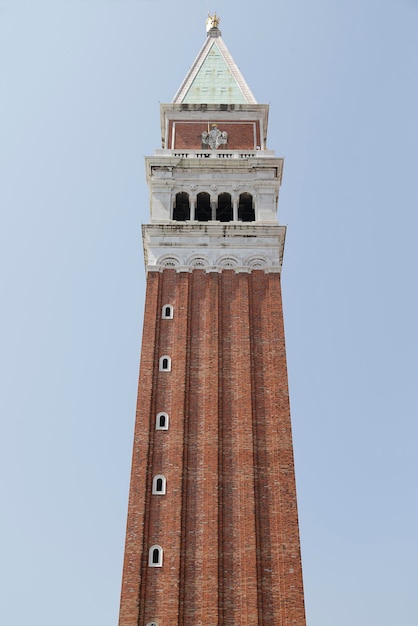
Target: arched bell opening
246,211
203,208
181,210
224,209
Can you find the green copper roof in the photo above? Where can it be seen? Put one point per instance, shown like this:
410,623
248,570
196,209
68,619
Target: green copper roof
214,78
214,83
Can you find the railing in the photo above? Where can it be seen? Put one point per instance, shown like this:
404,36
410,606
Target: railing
213,154
216,154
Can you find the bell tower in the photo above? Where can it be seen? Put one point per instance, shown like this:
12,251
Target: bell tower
212,533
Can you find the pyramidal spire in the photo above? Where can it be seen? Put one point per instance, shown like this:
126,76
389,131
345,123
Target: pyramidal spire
214,77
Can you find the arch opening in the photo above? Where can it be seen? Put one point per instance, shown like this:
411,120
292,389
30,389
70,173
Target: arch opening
224,210
246,211
181,209
203,208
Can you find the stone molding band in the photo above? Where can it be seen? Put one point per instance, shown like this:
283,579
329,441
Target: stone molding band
222,263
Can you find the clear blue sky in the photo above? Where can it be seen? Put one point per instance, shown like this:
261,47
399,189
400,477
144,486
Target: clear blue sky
80,83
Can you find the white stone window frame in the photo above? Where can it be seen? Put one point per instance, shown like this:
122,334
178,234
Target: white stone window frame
157,421
151,556
155,480
161,365
167,312
152,624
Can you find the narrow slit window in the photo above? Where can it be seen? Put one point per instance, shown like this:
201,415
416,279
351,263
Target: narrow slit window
162,421
155,558
165,364
167,312
159,485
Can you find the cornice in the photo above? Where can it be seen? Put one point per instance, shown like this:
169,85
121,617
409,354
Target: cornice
214,247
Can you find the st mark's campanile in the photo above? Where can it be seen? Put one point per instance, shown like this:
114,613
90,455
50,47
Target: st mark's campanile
212,534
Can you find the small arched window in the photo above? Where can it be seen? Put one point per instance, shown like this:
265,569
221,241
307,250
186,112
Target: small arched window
181,209
159,485
152,624
165,364
161,422
155,556
167,313
246,211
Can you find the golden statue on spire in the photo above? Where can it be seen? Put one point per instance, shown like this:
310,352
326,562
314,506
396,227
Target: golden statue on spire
212,21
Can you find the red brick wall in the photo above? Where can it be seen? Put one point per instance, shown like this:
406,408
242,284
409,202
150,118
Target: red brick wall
188,135
228,522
